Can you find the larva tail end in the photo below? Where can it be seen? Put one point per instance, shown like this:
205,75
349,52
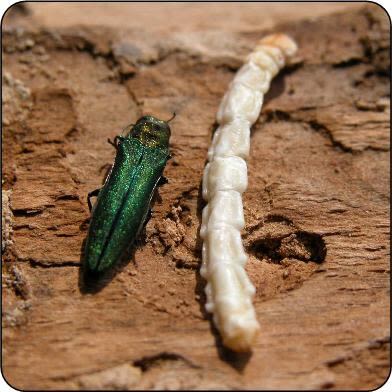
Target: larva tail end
242,338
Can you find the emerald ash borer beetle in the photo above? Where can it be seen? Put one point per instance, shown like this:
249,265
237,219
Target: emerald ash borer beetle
124,200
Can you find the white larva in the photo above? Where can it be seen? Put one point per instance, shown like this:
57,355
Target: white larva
252,76
212,217
240,101
224,174
224,245
229,291
231,139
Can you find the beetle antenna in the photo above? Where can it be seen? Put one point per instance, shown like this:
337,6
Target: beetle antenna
172,117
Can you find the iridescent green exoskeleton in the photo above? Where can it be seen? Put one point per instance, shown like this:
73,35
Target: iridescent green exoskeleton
124,200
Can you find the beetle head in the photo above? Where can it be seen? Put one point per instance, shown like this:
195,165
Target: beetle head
151,132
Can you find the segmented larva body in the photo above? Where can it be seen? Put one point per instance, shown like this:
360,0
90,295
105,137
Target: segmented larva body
229,290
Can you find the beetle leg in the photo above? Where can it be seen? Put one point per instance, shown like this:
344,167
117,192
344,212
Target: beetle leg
163,180
90,195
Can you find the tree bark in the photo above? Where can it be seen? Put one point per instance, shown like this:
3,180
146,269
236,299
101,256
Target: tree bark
316,208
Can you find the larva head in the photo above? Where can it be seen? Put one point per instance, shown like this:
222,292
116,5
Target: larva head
151,132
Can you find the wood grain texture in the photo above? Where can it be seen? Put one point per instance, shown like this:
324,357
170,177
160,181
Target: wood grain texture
316,208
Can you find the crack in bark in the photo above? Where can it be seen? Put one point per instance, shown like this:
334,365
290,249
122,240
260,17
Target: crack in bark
374,344
27,212
324,131
146,363
44,264
280,115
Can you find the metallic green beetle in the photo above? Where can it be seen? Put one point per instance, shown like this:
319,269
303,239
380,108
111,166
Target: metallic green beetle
124,200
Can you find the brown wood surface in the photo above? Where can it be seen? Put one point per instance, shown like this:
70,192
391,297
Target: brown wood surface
316,209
